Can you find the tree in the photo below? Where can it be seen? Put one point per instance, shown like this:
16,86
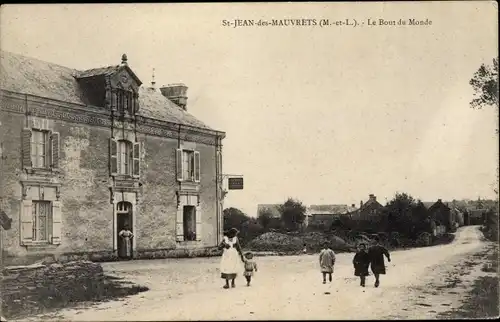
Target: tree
399,212
234,218
485,85
264,217
248,227
292,213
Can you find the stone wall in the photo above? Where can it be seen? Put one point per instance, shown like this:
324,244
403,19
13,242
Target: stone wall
110,256
36,289
29,289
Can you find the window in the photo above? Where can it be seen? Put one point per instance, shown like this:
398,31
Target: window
124,157
188,165
40,149
125,101
41,222
41,219
189,220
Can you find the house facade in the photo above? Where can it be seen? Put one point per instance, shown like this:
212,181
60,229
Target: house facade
369,209
86,154
443,216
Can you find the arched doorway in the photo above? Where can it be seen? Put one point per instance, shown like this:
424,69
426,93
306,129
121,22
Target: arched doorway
124,220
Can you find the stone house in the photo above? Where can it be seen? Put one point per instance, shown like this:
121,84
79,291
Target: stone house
442,215
369,215
368,210
85,153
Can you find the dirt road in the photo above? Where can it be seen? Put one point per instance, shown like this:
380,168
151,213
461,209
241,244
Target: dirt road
291,288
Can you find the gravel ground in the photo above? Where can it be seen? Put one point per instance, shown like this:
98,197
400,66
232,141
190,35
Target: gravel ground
290,287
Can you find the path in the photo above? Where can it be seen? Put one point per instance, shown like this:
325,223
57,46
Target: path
285,288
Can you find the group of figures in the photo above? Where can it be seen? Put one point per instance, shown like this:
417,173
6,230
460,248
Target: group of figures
232,257
364,259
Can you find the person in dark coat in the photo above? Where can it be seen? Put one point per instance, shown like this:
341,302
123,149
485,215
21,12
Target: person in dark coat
376,254
361,262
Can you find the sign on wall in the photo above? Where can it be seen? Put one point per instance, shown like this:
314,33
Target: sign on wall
235,183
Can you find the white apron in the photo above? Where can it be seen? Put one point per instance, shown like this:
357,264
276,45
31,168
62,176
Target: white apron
231,260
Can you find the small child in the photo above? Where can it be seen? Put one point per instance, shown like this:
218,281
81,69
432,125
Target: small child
250,267
361,261
326,262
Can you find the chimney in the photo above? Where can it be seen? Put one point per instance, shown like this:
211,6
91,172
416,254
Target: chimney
176,93
361,204
124,59
372,197
439,200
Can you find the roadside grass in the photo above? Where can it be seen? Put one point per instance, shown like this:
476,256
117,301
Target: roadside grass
483,300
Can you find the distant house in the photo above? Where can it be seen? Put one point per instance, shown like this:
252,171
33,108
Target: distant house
442,215
368,210
476,216
458,216
272,209
325,215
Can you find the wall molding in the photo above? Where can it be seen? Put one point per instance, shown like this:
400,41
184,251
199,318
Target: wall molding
85,114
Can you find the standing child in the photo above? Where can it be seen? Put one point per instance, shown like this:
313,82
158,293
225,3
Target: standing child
326,261
250,267
361,262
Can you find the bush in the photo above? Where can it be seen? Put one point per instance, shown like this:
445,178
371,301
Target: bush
278,242
294,242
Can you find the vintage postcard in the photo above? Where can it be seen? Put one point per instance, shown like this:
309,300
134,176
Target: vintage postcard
249,161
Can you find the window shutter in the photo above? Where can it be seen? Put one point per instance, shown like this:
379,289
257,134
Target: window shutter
26,221
56,222
179,164
26,147
55,149
136,160
179,224
113,156
199,231
197,170
48,150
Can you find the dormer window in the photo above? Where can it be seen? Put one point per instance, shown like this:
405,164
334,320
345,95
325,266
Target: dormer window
125,101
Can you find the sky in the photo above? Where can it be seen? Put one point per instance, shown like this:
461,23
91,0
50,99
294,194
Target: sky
324,115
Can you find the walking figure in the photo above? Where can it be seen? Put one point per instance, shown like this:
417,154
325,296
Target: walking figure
231,257
326,262
361,261
376,254
250,267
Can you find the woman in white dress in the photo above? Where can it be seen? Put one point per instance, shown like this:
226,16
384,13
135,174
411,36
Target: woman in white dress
232,257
